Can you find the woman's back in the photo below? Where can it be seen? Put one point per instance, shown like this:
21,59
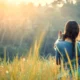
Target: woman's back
60,51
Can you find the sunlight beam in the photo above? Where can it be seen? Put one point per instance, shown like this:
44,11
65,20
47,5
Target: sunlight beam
36,2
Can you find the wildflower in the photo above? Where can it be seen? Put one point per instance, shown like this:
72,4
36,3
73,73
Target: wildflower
7,71
24,59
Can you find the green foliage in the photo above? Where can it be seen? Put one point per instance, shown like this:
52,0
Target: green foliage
22,24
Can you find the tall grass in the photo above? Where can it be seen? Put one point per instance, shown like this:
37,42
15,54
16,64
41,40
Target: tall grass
32,67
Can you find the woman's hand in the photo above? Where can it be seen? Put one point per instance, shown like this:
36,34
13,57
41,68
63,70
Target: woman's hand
60,35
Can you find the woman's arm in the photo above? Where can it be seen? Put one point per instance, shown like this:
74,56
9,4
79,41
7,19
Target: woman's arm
58,58
57,54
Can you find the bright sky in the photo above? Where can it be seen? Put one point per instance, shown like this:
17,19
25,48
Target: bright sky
36,2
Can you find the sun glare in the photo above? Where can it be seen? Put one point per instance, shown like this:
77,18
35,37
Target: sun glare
36,2
14,1
74,1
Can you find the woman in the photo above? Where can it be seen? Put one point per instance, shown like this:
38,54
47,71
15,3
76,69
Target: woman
67,42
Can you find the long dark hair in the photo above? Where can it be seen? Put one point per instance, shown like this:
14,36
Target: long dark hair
71,31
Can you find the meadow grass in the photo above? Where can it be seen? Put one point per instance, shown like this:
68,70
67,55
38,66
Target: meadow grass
32,67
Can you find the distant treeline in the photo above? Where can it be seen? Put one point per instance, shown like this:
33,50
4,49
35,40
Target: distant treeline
21,25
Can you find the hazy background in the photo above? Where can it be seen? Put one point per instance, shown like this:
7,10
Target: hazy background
21,24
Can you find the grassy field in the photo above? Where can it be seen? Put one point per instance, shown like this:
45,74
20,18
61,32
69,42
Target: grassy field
33,67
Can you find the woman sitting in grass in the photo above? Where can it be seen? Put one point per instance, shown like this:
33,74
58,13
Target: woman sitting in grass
65,45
